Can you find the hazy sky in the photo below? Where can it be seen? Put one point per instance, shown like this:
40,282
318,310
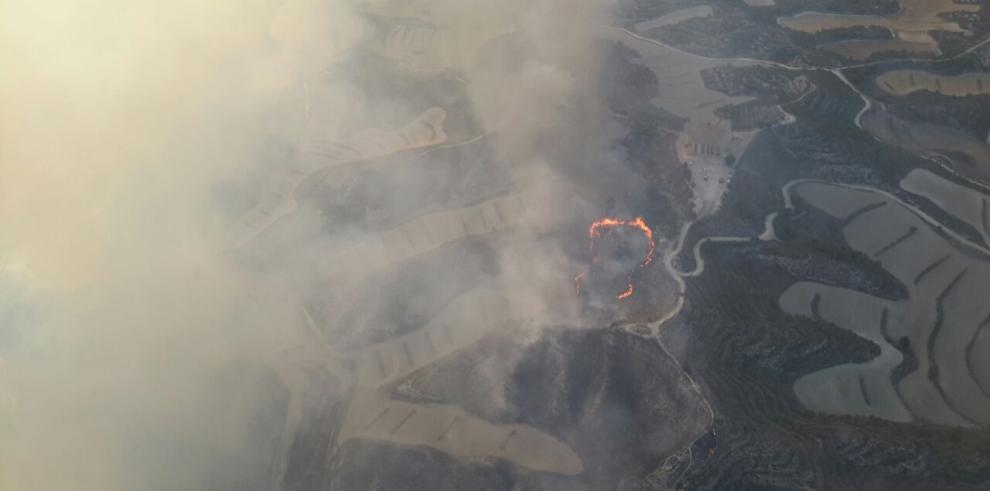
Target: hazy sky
119,122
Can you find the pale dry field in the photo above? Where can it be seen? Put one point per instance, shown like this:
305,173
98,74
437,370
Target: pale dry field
682,90
914,16
426,234
455,432
910,27
469,318
904,82
862,389
942,316
862,49
966,204
675,17
818,195
683,93
279,199
444,427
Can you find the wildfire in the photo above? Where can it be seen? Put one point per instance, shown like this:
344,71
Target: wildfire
598,228
627,293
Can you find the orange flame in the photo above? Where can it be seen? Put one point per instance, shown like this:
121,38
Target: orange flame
626,294
599,227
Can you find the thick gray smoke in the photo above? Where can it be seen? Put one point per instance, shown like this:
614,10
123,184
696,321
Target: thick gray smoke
140,330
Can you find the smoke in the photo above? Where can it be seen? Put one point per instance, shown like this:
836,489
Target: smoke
119,118
135,134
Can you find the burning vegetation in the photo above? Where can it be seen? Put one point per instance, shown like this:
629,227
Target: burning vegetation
605,225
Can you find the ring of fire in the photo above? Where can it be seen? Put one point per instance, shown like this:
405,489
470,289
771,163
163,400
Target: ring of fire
599,227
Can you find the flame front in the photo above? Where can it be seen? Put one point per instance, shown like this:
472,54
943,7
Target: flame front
599,227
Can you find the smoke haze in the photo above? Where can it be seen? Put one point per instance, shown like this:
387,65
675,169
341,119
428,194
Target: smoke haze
141,350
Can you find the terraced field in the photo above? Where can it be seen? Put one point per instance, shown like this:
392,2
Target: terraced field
446,428
929,368
966,204
425,234
469,318
451,430
279,199
463,323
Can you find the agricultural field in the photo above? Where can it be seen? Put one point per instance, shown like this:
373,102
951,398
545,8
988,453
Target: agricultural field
904,82
930,330
910,27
